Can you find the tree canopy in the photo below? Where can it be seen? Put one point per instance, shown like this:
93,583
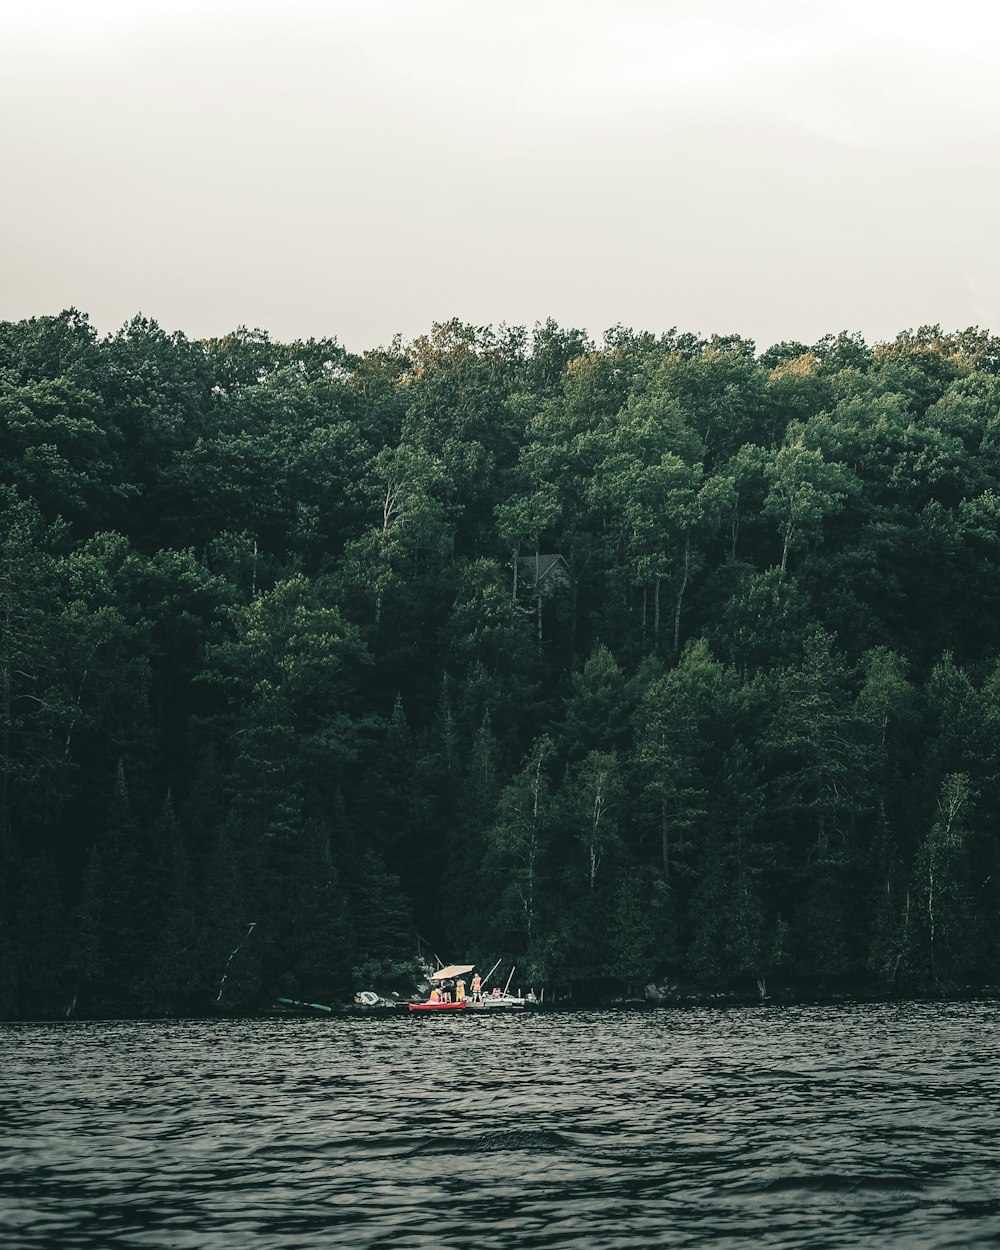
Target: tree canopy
658,658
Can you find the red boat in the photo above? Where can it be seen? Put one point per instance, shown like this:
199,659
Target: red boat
462,1003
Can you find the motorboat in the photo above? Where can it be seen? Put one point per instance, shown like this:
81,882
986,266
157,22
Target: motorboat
503,1001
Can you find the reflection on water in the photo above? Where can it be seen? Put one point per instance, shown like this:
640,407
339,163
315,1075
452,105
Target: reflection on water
868,1125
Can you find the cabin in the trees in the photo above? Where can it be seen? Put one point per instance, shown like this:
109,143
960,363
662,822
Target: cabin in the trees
543,576
539,578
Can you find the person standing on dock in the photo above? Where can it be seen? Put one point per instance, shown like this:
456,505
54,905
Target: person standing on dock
460,990
477,988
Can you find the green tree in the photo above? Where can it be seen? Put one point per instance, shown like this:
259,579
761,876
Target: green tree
113,947
597,716
805,489
519,836
734,934
686,718
941,878
814,734
595,797
401,486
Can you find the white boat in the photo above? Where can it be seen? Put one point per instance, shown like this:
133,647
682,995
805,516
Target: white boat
503,1001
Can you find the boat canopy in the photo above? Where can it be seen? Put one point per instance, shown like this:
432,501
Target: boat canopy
452,970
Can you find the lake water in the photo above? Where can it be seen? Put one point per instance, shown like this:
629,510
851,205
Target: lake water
867,1125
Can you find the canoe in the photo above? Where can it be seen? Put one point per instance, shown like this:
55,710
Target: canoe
462,1003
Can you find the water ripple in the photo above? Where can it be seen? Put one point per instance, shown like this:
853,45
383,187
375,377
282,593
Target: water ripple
866,1125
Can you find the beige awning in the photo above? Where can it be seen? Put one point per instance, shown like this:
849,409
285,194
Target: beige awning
452,970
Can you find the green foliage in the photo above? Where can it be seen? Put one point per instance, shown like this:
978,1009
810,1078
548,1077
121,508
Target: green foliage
519,837
278,691
941,880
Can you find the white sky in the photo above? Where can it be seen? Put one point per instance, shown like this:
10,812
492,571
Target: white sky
774,168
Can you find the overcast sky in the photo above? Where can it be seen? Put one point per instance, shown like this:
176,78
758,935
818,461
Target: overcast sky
774,168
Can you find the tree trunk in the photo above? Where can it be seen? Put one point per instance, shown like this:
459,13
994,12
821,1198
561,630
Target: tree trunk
930,914
665,840
784,551
656,616
681,589
574,595
538,593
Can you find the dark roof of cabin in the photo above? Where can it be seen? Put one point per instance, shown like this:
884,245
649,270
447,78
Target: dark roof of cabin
545,565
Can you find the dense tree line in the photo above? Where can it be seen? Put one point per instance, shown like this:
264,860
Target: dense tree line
660,658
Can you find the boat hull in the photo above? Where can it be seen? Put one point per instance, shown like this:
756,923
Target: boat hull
459,1006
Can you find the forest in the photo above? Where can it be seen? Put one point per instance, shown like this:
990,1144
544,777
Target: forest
654,660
